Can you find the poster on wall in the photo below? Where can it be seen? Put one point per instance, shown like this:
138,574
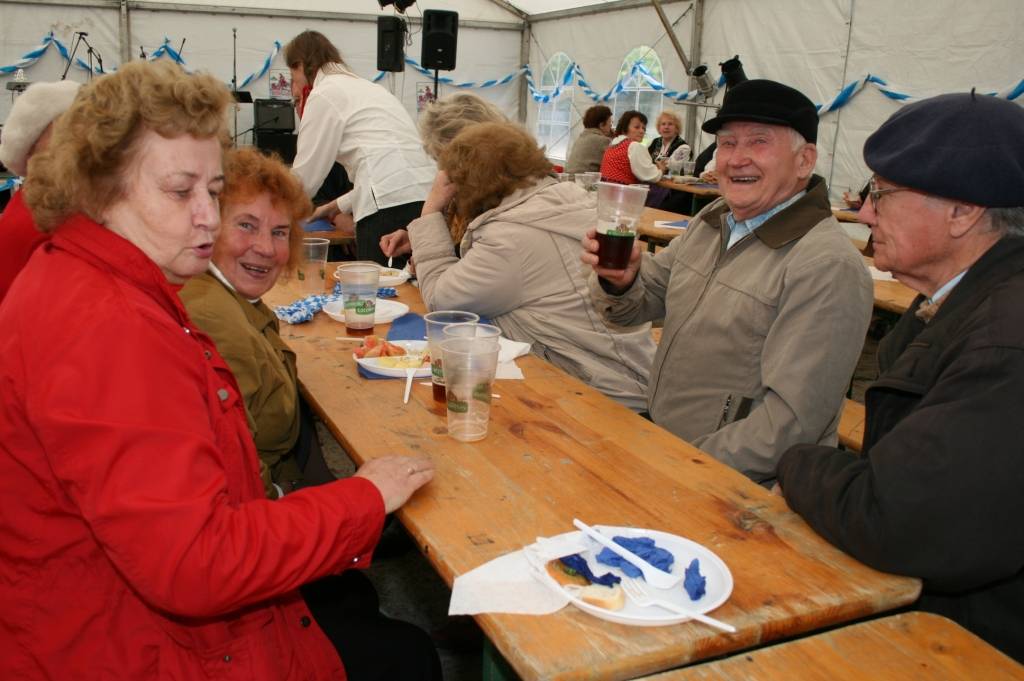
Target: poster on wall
424,95
280,84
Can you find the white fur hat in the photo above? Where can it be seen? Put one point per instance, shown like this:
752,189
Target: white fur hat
32,112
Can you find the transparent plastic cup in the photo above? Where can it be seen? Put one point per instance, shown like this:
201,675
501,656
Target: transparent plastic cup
618,208
312,269
588,180
472,330
689,166
359,293
469,367
436,322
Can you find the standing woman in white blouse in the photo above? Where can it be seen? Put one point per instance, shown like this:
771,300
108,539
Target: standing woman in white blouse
363,127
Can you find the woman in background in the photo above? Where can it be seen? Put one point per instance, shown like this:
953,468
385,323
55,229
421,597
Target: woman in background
137,541
362,126
439,123
588,149
626,160
668,140
519,233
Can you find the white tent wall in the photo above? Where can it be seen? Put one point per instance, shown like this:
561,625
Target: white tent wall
483,53
920,47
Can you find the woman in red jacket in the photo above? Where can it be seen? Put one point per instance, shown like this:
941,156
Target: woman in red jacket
136,539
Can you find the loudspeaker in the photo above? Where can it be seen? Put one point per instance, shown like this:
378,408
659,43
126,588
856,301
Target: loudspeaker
440,34
281,143
273,114
390,44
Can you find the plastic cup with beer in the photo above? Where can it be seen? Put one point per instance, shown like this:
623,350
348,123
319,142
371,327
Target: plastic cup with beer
618,208
312,269
359,294
469,367
436,322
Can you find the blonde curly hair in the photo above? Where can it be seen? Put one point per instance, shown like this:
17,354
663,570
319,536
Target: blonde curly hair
95,141
487,162
442,120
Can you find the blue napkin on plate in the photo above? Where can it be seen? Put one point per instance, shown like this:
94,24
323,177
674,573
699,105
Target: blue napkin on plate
320,225
409,326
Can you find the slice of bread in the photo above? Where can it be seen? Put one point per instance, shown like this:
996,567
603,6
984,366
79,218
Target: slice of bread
607,597
558,572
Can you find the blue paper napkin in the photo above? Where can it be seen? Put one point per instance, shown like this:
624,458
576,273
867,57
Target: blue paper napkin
320,225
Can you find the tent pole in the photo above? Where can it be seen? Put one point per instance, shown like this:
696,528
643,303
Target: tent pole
671,35
524,59
696,48
124,33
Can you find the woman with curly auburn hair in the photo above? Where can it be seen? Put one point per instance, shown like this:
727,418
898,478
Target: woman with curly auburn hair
519,234
136,536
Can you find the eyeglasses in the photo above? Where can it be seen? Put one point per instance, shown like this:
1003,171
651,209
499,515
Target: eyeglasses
874,193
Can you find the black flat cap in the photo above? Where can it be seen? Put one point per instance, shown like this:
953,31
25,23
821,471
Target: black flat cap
964,146
765,101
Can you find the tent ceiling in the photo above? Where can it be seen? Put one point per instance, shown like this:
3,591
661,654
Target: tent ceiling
542,6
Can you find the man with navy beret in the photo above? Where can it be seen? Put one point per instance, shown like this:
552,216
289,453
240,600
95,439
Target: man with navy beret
938,492
765,300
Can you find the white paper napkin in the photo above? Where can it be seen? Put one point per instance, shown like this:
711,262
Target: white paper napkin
509,583
507,352
879,275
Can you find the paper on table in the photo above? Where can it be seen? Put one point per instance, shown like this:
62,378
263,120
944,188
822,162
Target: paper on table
507,584
672,224
509,350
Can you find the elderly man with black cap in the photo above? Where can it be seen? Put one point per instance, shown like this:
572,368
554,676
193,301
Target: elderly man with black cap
27,132
766,301
937,492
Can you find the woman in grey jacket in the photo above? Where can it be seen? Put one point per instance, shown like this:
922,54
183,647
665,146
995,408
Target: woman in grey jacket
519,233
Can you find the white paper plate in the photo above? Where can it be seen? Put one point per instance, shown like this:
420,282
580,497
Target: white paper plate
391,280
718,586
372,364
386,312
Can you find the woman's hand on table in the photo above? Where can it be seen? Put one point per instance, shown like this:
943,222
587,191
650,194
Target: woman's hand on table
397,477
709,176
440,195
326,211
395,244
344,223
619,279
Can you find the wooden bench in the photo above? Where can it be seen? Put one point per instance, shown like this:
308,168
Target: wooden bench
914,645
851,425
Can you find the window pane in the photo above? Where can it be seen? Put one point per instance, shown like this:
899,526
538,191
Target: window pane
558,145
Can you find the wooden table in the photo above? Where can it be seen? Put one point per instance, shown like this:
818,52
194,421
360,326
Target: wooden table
845,214
556,450
335,236
910,646
891,296
658,236
703,189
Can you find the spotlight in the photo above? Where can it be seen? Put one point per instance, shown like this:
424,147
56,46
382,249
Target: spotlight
732,69
704,82
400,5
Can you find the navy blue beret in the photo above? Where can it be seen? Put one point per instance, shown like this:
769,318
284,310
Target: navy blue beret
964,146
765,101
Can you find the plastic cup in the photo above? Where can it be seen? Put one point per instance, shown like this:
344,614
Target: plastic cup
359,293
312,270
469,367
436,323
588,180
564,177
472,330
688,167
618,208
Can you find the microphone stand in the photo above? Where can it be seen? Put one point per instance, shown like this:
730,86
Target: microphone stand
71,59
91,52
234,79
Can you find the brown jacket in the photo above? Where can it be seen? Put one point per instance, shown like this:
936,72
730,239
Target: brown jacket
760,341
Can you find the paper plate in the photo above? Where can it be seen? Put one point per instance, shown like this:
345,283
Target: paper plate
718,587
399,277
386,312
372,364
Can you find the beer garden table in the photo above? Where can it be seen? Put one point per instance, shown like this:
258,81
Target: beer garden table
558,450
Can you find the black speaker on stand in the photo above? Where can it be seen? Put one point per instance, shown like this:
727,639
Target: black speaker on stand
274,127
440,36
390,44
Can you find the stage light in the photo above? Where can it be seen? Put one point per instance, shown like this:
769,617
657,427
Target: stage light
704,82
732,69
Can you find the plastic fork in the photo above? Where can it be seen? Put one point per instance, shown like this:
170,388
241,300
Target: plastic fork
638,593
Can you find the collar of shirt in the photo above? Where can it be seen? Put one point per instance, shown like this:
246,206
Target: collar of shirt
222,279
738,230
945,288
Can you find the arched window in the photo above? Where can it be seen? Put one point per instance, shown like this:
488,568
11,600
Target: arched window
638,93
554,118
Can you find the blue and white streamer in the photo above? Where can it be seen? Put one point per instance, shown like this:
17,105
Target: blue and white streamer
36,53
9,183
167,50
450,81
262,71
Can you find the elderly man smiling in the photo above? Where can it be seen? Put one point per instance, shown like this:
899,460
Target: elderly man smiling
765,299
937,491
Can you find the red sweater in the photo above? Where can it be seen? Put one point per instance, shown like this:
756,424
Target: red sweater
615,164
135,537
18,239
